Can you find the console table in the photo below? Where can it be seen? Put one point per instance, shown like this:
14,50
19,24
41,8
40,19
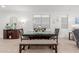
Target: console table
11,34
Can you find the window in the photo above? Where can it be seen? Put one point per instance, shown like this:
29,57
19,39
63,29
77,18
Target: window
77,20
64,22
41,20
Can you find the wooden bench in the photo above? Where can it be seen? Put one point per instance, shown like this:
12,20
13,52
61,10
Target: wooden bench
50,43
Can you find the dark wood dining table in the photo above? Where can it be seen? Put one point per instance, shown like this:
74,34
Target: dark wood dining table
37,35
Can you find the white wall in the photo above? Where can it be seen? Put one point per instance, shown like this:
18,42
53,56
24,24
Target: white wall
56,12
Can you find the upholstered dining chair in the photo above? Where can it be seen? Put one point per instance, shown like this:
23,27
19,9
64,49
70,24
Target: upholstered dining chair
21,33
55,36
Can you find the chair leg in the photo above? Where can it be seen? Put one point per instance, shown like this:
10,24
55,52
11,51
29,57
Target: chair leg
57,41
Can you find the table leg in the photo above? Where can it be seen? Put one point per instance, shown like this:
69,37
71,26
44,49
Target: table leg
50,46
28,46
23,47
20,48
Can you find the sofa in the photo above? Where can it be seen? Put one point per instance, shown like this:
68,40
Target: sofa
76,36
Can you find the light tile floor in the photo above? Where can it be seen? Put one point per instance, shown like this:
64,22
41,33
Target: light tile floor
12,46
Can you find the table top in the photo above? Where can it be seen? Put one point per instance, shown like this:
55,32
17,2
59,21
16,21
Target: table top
38,42
38,33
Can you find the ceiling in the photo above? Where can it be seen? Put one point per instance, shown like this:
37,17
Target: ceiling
40,8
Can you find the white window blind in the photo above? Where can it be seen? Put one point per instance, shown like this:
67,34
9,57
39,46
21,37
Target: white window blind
41,20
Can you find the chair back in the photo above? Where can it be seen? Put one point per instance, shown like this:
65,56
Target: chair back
57,31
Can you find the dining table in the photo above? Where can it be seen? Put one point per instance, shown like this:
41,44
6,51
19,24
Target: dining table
37,35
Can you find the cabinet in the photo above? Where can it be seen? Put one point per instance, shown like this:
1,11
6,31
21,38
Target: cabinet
11,34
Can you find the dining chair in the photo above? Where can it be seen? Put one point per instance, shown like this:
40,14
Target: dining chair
55,36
